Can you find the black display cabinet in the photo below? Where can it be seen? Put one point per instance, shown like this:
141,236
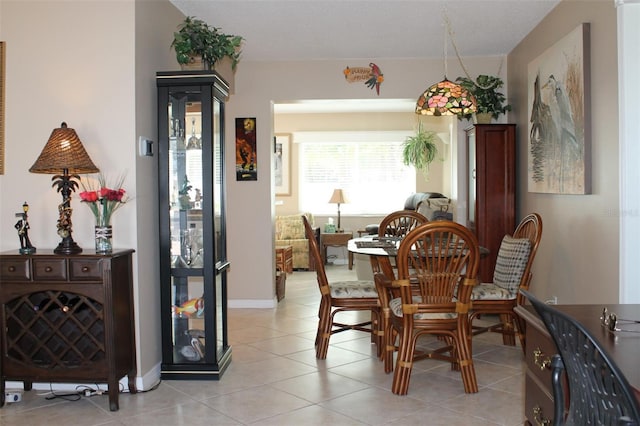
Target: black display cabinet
193,256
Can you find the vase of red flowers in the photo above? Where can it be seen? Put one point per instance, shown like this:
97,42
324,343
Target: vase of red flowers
103,202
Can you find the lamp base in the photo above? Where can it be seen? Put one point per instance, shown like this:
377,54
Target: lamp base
67,246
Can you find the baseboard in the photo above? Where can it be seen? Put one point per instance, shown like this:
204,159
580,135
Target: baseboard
143,383
252,303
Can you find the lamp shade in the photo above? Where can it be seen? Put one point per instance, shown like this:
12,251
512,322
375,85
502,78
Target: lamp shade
338,197
63,150
446,98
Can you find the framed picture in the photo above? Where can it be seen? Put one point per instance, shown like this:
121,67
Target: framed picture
559,117
2,45
282,169
246,153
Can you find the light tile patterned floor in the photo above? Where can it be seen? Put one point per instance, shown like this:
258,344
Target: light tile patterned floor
274,379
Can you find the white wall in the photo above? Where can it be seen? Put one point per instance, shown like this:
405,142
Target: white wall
577,260
629,89
258,85
152,55
91,64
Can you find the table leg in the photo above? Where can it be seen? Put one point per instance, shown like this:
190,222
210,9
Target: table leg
350,260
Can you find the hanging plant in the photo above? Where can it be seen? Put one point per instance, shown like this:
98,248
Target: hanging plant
489,99
420,149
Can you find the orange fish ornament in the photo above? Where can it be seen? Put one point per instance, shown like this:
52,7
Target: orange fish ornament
190,307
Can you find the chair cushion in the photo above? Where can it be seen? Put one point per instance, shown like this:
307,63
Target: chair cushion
396,307
511,263
352,289
490,291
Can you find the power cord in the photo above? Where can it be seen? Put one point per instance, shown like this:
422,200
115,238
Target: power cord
89,391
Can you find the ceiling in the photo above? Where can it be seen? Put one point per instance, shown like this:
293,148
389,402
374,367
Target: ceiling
303,30
308,30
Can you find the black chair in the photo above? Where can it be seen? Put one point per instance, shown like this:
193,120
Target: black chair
599,394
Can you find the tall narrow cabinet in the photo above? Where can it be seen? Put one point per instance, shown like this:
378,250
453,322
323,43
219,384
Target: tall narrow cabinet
193,255
491,169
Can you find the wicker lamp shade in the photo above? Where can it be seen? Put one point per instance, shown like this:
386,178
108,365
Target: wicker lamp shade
64,150
64,157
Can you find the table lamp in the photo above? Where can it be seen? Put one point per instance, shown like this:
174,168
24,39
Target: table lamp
65,158
338,198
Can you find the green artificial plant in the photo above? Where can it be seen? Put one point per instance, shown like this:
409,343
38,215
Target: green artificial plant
420,149
485,90
196,38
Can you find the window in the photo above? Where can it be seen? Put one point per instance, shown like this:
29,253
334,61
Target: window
366,165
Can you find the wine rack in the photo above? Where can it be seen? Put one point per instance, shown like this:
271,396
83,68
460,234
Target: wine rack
59,316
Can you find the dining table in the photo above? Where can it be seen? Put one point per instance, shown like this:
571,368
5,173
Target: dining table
372,253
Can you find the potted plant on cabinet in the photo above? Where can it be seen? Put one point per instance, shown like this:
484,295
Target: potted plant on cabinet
196,39
420,149
490,102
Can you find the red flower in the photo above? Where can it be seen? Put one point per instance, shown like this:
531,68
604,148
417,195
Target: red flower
103,201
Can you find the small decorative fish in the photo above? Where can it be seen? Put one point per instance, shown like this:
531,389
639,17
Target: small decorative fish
190,307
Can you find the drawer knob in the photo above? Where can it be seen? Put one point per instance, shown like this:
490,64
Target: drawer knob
541,360
537,417
48,269
12,268
85,269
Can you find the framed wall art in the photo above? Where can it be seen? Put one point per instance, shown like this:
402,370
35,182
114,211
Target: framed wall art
246,153
559,117
282,168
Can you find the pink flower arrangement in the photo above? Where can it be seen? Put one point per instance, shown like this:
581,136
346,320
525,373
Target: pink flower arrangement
103,201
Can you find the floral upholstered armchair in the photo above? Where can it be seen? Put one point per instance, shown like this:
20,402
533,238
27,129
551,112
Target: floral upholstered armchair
289,231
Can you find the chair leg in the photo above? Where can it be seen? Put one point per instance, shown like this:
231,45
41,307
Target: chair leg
404,363
465,361
521,330
508,330
325,324
391,336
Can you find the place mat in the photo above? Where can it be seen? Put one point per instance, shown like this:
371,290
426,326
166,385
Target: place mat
375,244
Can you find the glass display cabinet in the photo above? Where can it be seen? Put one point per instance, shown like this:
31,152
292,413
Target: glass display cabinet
193,258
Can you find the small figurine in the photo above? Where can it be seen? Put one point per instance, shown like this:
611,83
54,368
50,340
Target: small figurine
192,307
23,231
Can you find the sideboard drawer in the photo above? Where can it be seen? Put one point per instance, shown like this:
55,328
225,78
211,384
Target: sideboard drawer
50,269
14,269
538,404
540,348
85,269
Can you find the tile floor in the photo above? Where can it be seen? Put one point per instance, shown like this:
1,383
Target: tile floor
274,379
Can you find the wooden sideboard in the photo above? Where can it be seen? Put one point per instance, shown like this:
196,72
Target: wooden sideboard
621,346
67,318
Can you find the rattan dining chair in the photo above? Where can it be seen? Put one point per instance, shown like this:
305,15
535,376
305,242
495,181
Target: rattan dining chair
395,225
512,273
437,269
599,393
399,223
340,296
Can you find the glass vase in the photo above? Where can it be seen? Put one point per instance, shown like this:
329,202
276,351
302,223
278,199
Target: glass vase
104,239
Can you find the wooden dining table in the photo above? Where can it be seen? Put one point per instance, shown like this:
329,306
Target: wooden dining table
381,252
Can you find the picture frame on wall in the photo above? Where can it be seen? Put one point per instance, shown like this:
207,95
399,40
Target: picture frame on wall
282,167
246,149
559,116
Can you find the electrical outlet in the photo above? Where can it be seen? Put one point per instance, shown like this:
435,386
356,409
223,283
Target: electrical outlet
552,301
12,395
